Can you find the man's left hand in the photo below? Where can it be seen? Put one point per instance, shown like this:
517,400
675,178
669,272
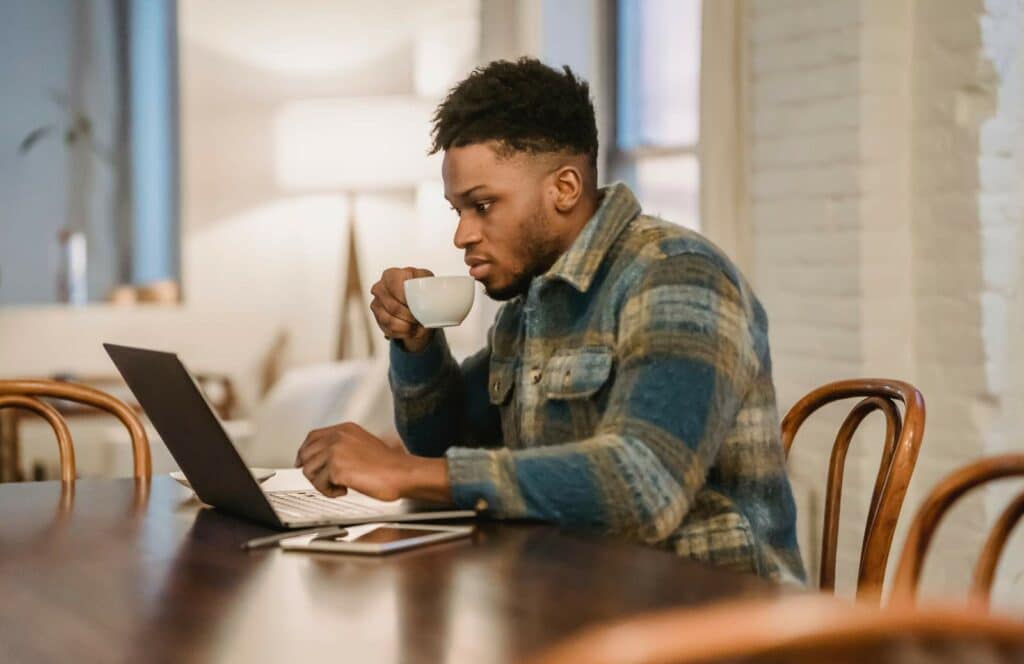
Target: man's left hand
347,456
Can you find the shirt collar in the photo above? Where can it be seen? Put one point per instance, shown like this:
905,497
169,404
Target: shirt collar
578,265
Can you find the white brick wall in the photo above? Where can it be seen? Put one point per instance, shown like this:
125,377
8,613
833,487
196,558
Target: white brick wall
947,260
1000,204
804,208
886,172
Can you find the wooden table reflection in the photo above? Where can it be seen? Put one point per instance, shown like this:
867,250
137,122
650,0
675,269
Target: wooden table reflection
111,570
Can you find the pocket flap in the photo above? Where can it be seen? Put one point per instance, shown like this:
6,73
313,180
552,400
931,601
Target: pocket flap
576,373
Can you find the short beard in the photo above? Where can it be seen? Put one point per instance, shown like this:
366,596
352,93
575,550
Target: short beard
541,253
519,285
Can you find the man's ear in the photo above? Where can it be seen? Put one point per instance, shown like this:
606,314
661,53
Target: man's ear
568,188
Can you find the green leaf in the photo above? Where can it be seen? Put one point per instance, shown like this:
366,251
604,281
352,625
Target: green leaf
34,137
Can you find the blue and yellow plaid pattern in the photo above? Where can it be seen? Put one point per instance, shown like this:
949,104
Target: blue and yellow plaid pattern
629,391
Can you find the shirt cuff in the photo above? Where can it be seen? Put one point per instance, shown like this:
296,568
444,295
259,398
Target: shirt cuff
478,478
414,369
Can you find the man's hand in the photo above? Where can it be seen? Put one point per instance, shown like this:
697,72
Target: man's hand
346,456
392,312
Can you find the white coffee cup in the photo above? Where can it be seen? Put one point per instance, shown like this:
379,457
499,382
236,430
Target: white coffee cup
440,301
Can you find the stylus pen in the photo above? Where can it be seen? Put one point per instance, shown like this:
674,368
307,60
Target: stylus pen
261,542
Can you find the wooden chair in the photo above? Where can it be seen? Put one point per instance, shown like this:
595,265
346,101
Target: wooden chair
29,395
218,389
899,455
942,497
797,628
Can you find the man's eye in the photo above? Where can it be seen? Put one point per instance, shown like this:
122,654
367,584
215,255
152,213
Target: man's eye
482,208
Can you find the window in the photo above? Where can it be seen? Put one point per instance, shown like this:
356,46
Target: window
657,102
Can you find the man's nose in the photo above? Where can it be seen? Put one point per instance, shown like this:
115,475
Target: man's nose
467,233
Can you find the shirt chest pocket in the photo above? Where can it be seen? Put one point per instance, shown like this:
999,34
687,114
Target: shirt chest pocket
573,389
502,375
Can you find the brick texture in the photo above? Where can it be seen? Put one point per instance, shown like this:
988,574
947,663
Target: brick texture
885,185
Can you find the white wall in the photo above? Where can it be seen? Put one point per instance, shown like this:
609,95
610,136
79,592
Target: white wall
885,196
34,45
1001,211
255,240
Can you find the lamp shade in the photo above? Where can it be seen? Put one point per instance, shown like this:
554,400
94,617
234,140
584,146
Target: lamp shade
355,143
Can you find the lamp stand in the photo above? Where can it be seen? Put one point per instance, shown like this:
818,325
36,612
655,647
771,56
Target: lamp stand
352,293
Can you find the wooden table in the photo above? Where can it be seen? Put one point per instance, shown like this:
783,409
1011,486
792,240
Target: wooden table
112,572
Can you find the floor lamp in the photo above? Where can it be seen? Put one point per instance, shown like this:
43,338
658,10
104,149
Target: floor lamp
352,292
357,145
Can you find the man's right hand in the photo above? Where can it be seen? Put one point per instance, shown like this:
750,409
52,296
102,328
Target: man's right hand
391,310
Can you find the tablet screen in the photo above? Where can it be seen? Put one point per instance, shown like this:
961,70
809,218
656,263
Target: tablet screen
385,535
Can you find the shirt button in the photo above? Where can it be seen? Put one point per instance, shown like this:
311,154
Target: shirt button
481,505
535,376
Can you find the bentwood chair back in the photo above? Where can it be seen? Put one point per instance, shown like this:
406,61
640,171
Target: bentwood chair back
796,628
943,496
902,442
31,394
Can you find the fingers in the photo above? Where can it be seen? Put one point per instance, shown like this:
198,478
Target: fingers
392,326
315,455
389,306
389,301
397,285
313,465
418,272
318,439
322,481
315,441
393,281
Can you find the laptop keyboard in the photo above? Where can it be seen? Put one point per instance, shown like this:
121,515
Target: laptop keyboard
314,505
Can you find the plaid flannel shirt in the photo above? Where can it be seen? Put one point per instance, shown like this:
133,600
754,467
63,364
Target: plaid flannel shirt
629,391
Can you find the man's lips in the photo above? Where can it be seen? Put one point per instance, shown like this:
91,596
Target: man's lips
478,267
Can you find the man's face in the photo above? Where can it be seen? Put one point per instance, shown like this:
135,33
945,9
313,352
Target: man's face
503,226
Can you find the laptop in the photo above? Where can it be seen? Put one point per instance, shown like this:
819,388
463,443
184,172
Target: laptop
210,461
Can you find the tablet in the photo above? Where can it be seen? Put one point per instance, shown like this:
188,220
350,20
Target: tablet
377,538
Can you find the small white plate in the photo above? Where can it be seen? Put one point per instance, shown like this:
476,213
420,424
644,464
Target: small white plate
261,475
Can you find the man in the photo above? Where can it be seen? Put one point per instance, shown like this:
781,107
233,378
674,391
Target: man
626,384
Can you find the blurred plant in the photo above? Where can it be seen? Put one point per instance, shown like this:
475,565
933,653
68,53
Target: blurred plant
76,130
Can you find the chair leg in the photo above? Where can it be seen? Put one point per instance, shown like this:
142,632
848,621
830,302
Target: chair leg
10,461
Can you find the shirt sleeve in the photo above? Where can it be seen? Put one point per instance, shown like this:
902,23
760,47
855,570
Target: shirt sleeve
439,403
685,360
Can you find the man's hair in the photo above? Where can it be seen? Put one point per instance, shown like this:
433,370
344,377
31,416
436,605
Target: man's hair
525,106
